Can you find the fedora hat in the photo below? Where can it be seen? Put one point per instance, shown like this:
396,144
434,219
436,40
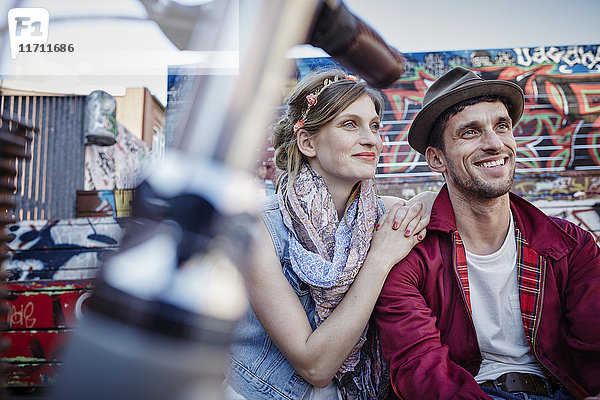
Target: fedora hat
454,86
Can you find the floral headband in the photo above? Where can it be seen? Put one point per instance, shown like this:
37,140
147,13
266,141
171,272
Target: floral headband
311,98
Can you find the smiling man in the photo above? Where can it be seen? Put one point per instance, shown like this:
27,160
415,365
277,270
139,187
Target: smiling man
499,301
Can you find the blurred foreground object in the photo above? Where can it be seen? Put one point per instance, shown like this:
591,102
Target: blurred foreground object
161,316
354,44
158,323
159,319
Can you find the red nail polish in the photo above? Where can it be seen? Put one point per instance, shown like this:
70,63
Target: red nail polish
377,227
396,225
407,232
420,237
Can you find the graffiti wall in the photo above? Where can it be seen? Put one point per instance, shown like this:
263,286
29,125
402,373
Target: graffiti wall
41,318
52,266
61,249
558,137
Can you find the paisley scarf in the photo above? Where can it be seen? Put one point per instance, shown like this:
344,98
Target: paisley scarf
327,254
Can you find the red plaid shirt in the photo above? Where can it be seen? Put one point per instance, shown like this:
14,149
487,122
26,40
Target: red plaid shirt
530,267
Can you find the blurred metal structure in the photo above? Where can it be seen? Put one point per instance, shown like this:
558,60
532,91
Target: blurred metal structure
159,321
160,318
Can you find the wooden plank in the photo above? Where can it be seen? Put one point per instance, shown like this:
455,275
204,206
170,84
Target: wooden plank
95,203
123,202
103,203
67,264
63,273
61,249
36,347
65,234
46,309
60,285
31,374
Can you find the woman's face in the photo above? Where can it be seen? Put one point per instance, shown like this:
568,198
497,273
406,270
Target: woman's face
347,149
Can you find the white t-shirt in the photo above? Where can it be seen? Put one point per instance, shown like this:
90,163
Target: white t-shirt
497,312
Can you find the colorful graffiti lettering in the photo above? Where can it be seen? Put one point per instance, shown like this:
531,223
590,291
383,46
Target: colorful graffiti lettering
560,127
559,130
565,58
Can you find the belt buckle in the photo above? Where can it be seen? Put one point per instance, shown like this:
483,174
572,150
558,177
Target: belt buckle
520,382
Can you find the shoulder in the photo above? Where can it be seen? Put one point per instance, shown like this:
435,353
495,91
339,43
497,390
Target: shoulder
270,203
569,226
427,260
550,236
274,226
413,267
582,237
270,212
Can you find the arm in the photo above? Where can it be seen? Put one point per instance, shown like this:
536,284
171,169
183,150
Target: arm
317,355
420,365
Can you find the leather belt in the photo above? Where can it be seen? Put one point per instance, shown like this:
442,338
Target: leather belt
519,382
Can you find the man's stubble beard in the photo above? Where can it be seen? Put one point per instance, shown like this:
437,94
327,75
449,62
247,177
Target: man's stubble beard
477,188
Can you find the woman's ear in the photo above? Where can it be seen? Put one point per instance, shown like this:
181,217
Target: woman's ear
435,159
305,142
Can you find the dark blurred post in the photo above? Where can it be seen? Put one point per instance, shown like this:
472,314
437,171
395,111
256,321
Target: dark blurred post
354,44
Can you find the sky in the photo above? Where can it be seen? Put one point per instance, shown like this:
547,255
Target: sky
123,50
424,25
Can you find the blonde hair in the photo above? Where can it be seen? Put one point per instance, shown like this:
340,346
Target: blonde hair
330,103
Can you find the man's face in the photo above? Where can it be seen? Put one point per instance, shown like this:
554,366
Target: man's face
479,155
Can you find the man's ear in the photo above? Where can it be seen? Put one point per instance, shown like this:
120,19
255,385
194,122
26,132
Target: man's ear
435,159
305,143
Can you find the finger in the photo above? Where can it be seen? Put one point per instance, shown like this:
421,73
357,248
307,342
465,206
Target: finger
399,201
412,218
381,221
389,215
399,216
412,227
423,223
421,234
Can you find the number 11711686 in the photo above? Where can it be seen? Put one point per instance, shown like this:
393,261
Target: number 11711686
46,48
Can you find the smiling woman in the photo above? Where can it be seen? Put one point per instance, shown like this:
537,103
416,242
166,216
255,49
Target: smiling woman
346,149
323,252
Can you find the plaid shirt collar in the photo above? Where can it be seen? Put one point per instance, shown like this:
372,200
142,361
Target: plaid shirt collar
530,271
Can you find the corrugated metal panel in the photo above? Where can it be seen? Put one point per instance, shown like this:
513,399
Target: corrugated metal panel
47,182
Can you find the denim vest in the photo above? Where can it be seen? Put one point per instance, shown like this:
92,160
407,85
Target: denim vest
257,369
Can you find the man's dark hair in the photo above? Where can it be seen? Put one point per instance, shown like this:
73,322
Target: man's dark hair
435,138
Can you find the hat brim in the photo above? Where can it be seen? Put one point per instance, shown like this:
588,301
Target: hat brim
420,128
